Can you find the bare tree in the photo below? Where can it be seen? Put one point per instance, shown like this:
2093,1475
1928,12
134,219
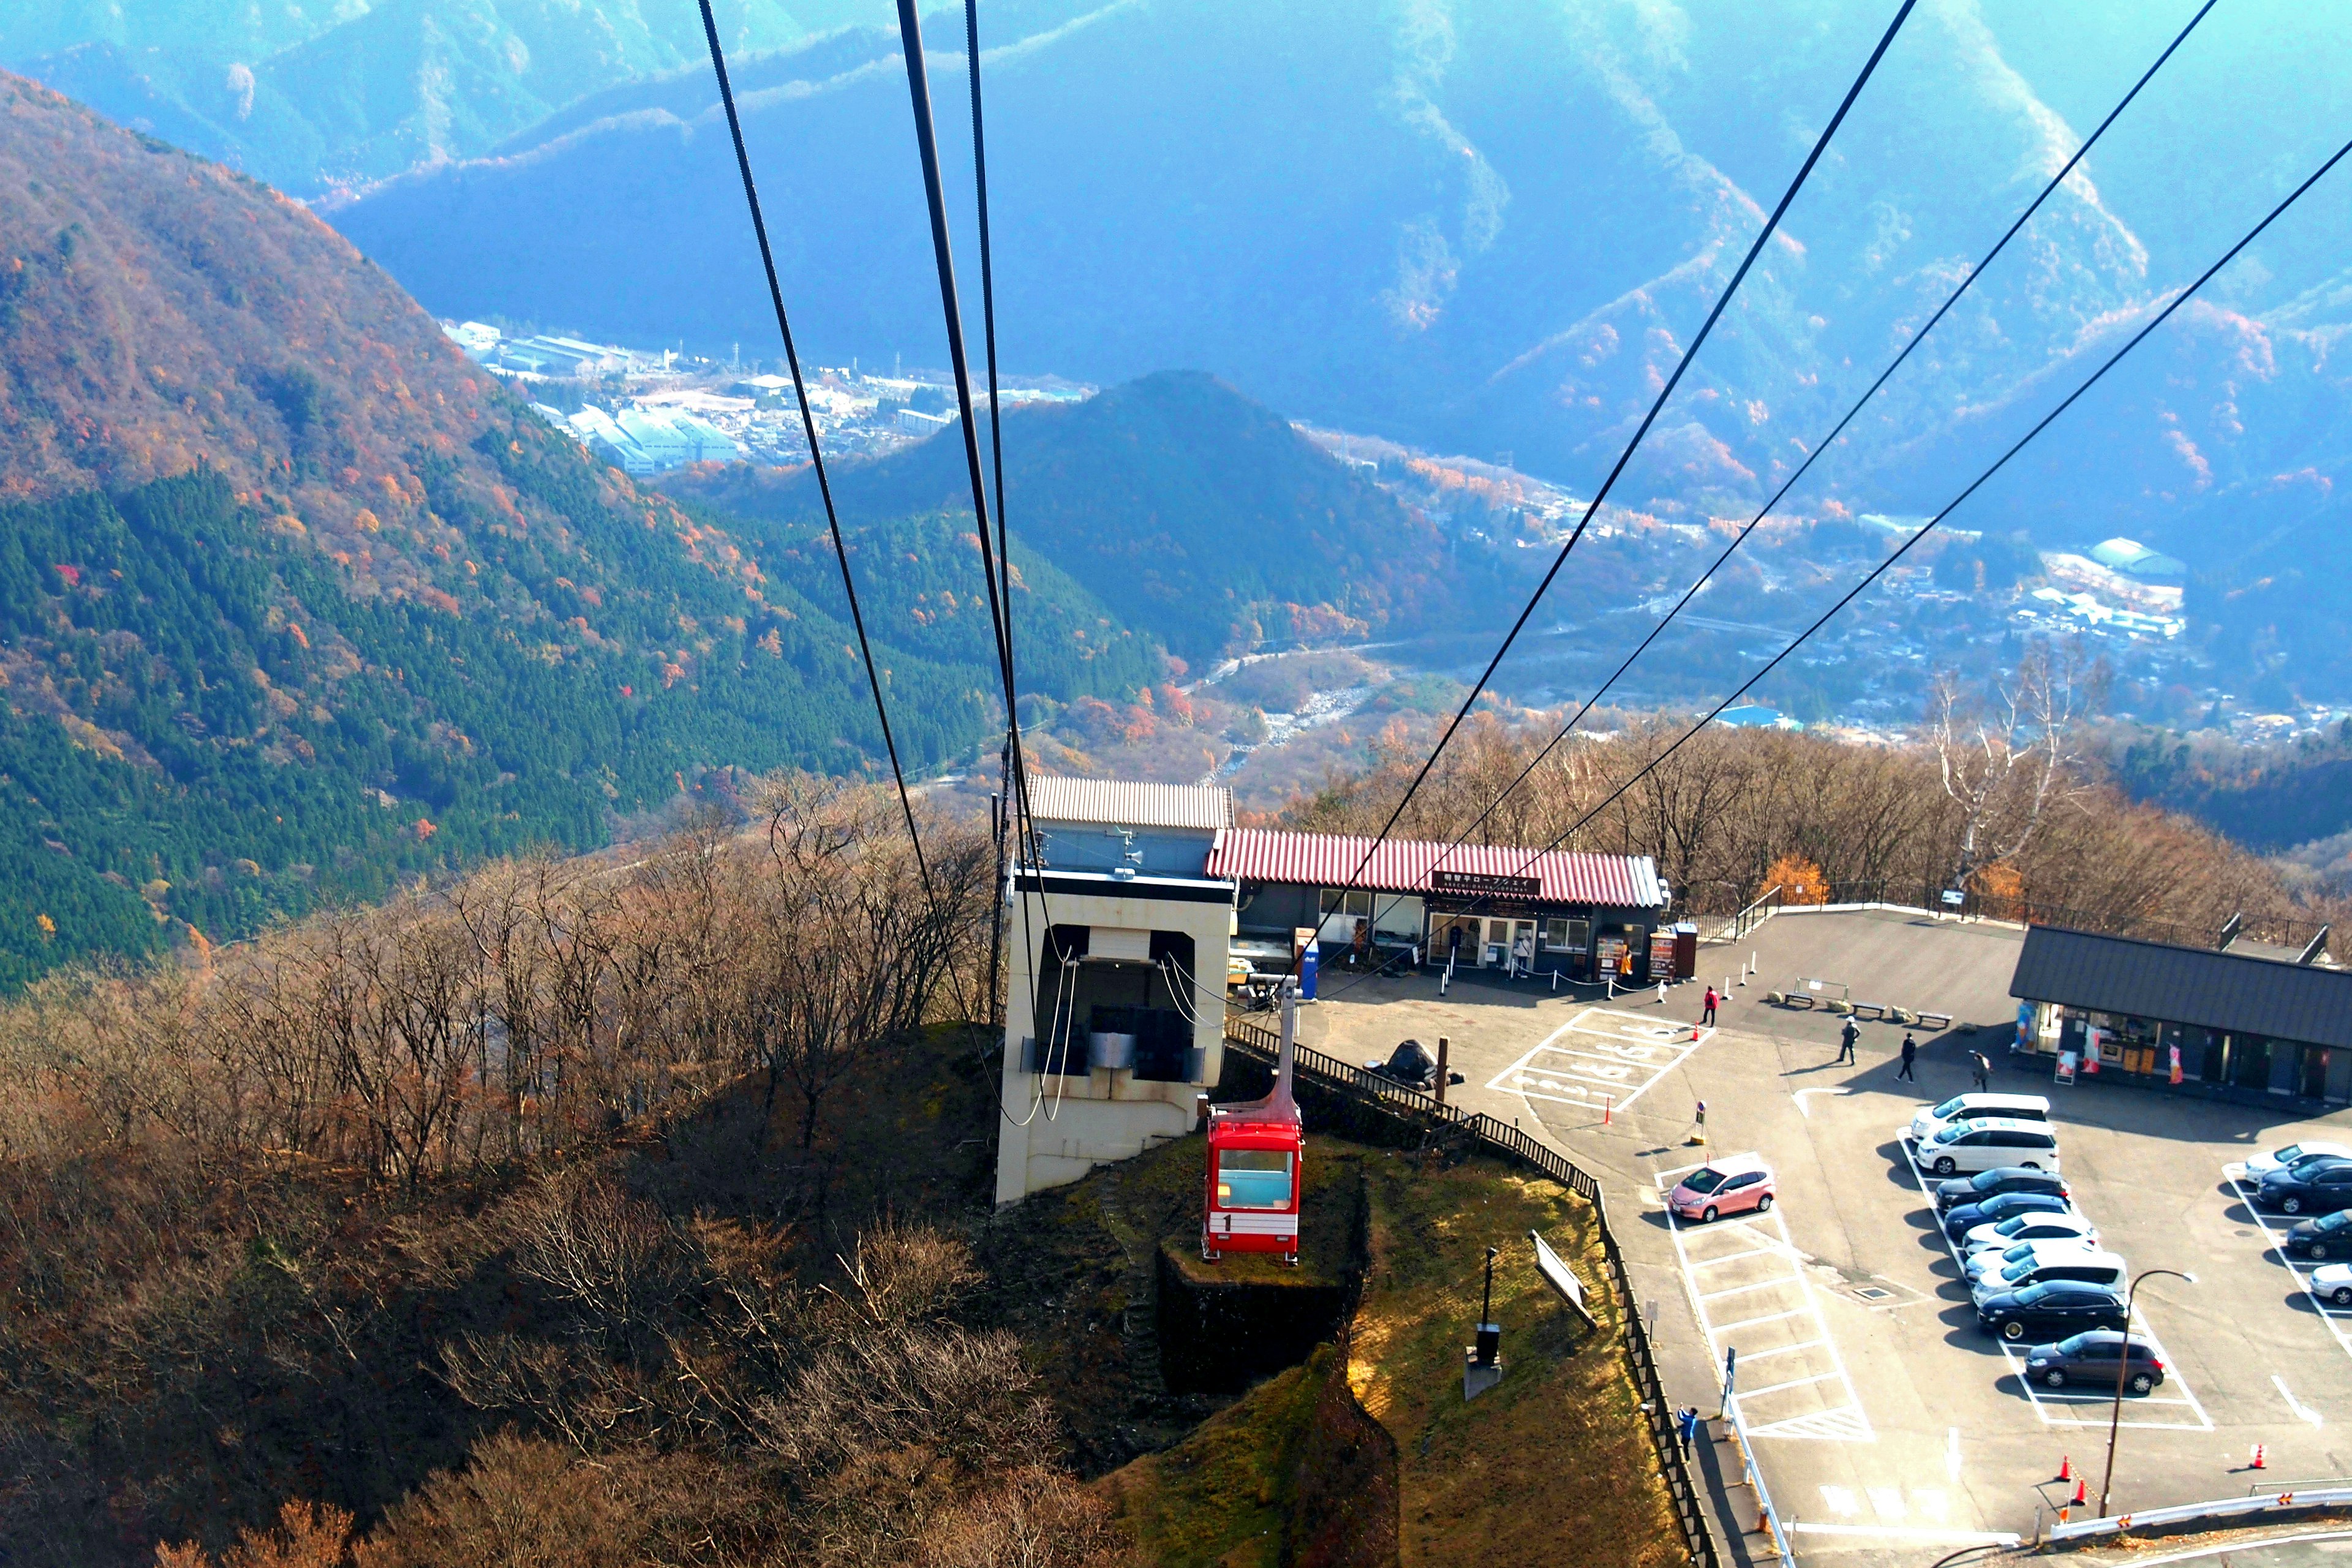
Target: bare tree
2009,762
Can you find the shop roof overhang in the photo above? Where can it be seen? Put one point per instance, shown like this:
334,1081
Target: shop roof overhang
2210,989
1481,871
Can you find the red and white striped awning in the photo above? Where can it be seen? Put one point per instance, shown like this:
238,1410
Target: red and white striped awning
1404,866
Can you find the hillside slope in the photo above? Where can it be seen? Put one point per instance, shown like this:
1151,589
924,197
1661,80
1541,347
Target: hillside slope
294,601
1187,510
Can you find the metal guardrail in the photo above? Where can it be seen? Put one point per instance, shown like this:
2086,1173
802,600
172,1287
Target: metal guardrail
2085,1529
1753,1477
1416,1109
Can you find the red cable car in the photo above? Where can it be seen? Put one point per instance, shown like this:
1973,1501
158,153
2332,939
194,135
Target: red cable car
1257,1167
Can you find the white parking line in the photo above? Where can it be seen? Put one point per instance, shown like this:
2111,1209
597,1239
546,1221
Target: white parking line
1754,1323
2302,1275
1604,1053
2042,1402
1792,1383
2303,1412
1748,1356
1765,1237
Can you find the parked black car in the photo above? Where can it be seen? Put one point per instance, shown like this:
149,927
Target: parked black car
2329,1235
2091,1360
1993,1182
2059,1307
2321,1184
1959,1222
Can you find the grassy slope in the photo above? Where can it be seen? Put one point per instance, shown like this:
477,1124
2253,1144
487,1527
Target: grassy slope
1555,1455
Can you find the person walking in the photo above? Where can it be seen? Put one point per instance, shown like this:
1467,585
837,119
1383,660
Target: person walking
1686,1424
1707,1014
1910,1054
1847,1037
1982,1065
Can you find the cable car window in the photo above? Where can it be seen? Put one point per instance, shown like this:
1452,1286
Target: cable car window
1252,1178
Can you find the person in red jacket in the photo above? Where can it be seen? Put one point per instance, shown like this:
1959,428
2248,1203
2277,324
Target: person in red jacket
1706,1016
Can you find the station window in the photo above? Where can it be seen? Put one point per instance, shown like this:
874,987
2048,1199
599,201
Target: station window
1254,1178
1358,903
1567,936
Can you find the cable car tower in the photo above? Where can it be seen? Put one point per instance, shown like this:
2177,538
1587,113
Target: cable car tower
1257,1164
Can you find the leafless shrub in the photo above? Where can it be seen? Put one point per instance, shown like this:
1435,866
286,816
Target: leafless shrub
1034,1516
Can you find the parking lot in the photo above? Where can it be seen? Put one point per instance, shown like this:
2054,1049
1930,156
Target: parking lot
1889,1426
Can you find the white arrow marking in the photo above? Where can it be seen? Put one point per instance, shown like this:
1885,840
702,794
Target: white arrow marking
1807,1111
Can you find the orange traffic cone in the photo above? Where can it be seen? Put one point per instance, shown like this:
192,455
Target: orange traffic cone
2065,1468
2258,1462
2082,1491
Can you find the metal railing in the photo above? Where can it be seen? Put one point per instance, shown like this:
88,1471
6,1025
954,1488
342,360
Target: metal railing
1745,921
1416,1110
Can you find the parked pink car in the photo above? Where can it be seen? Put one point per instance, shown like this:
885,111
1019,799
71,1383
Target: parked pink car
1743,1186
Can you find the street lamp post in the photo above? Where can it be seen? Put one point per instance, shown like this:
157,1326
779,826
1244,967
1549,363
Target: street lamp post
2123,1369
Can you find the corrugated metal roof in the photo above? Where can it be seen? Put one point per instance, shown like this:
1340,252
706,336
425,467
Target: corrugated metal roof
1126,803
1403,865
2237,991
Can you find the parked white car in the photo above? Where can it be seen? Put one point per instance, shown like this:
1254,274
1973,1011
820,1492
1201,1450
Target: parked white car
2257,1166
1985,1263
1933,1119
1962,1147
2003,1235
2078,1265
2332,1283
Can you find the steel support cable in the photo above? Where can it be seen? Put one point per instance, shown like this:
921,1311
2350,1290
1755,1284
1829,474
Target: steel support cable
1818,449
995,430
2179,299
919,89
808,429
1657,407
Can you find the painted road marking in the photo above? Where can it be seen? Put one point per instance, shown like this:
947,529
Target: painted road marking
2043,1402
1806,1110
2303,1412
1598,1051
2302,1275
1805,1350
1917,1537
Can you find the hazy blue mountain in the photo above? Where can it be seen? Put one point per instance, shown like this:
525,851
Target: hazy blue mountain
309,97
1489,226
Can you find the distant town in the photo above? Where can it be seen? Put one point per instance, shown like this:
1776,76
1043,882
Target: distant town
648,411
645,412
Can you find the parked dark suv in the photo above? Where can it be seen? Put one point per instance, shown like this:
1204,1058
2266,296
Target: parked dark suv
2059,1307
1959,1222
1993,1182
2092,1359
2329,1235
2321,1184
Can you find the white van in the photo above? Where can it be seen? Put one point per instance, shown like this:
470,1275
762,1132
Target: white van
1934,1119
2102,1269
1964,1148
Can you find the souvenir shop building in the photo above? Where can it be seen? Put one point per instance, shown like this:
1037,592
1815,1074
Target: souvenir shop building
1482,906
2154,1013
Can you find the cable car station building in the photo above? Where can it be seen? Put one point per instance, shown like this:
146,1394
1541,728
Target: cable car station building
1478,905
1119,930
2239,1024
1115,939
